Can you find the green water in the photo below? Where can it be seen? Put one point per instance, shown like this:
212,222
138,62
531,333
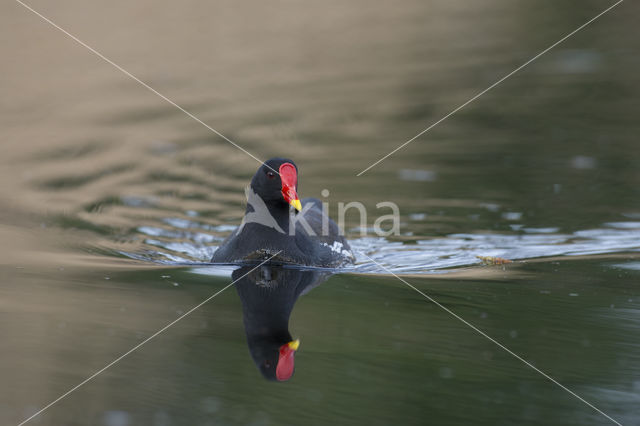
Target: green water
372,351
112,201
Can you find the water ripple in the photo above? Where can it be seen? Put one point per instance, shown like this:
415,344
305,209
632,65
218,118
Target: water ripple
191,241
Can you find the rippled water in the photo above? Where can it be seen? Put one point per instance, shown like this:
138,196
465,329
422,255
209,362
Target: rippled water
188,241
113,202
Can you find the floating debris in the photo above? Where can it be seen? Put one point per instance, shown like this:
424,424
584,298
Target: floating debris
490,260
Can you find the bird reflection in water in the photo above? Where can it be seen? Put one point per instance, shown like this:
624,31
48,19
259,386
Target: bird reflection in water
268,295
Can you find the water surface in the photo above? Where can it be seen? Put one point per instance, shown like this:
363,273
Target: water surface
114,200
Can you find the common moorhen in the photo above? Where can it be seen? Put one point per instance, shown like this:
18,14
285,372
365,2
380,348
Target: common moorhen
277,221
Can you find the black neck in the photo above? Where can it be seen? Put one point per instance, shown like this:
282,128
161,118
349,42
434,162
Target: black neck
279,210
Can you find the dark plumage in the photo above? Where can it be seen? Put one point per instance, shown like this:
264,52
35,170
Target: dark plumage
271,224
268,295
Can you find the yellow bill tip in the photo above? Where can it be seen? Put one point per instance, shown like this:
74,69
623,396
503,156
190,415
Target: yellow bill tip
296,204
295,344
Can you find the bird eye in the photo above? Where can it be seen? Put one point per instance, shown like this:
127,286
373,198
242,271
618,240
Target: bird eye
270,174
